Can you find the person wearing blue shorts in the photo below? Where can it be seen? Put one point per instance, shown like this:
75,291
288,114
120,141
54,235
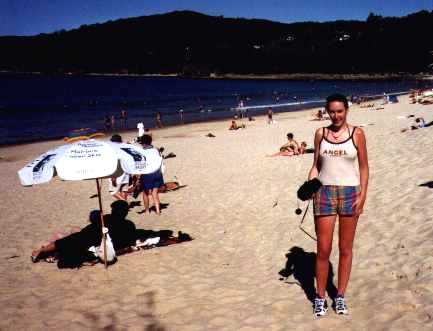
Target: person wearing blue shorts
150,183
337,149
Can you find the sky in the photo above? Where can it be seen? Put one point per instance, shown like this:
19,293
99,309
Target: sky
31,17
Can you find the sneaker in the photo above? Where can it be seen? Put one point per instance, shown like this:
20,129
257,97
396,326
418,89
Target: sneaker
320,306
340,305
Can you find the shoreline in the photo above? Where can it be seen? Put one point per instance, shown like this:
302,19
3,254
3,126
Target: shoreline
304,108
252,76
155,129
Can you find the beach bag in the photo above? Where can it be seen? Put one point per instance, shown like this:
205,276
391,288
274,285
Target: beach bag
111,253
306,190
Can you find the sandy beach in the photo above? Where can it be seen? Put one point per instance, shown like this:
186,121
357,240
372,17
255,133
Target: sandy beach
238,206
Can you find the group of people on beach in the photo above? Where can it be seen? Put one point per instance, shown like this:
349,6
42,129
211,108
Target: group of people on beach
423,97
83,246
149,185
340,164
292,147
110,121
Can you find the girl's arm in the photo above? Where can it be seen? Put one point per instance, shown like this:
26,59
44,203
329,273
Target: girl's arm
361,144
314,171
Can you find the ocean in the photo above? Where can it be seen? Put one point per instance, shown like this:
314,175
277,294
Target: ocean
37,107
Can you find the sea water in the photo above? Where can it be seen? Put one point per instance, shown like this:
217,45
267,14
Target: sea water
37,107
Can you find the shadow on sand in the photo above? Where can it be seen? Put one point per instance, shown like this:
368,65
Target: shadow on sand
145,317
427,184
302,265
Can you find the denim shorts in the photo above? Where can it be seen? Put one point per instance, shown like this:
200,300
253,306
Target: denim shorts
333,200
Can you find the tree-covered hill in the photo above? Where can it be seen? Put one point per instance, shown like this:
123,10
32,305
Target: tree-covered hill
196,44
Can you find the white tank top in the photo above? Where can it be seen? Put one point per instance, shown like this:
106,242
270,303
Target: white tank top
338,162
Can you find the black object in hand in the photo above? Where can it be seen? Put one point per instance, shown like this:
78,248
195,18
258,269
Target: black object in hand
306,191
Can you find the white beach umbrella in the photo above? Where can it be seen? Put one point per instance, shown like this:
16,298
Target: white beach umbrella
90,159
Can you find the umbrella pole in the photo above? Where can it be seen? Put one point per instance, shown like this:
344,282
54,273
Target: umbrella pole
104,237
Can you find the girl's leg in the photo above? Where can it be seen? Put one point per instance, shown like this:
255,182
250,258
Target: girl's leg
119,196
346,233
155,197
37,253
324,231
145,200
124,195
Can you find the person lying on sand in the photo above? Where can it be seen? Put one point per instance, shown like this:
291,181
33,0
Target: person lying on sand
235,126
367,105
72,251
426,101
303,147
419,124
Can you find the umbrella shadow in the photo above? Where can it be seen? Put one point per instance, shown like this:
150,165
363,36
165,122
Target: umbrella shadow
302,265
427,184
143,234
145,316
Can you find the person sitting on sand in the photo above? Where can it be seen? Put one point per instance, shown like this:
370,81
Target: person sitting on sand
233,125
319,115
291,145
290,148
73,250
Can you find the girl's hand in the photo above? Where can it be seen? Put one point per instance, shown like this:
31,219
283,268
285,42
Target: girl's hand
358,206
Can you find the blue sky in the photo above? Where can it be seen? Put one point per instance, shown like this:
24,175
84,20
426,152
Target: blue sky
30,17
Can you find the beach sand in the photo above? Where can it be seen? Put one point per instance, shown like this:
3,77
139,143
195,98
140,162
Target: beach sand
239,207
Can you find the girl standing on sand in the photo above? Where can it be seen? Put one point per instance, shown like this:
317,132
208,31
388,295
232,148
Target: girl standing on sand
344,190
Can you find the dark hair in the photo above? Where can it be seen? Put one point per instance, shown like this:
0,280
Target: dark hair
119,210
337,97
116,138
146,139
95,216
290,136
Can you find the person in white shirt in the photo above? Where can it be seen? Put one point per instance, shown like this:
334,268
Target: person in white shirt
140,127
118,186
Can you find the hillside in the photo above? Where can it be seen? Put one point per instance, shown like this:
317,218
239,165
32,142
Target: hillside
195,44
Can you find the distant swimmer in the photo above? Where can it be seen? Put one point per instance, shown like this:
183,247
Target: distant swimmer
123,118
270,114
158,120
113,122
181,116
107,123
